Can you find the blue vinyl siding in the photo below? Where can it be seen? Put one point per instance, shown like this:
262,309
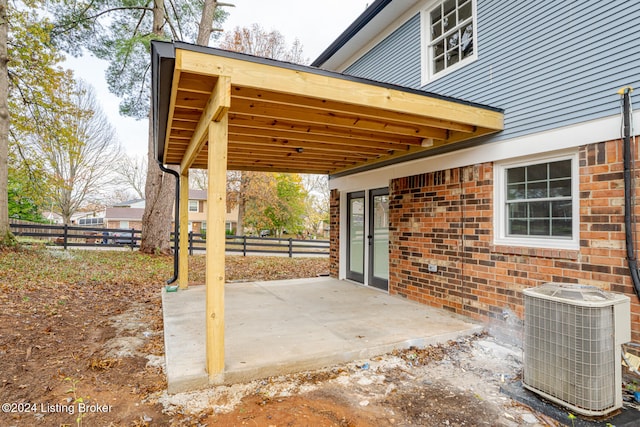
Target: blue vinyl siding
547,64
395,60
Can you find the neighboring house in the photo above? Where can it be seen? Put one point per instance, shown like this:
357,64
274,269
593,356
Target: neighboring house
198,213
469,226
125,215
129,214
91,217
135,203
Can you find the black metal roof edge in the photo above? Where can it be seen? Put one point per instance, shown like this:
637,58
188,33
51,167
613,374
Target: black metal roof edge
163,58
353,29
480,140
319,71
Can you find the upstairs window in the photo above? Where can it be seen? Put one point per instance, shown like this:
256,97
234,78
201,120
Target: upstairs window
450,31
193,206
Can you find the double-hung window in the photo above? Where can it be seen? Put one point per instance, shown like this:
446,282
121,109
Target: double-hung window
537,203
194,206
449,36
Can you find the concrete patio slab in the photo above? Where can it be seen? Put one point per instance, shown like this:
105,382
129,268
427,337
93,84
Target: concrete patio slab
281,327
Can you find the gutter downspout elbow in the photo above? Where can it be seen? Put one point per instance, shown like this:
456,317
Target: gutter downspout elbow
176,225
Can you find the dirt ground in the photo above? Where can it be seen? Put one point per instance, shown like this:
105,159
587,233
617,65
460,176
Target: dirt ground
82,344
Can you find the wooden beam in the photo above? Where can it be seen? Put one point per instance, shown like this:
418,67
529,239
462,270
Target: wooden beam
283,169
344,120
215,246
266,124
302,82
308,153
217,107
196,83
172,108
288,160
344,108
267,141
293,137
183,256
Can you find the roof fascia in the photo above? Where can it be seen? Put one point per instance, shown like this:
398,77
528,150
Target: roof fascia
363,20
163,58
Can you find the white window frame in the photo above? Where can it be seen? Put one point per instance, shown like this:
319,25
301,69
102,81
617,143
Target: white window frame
197,206
500,206
428,74
124,224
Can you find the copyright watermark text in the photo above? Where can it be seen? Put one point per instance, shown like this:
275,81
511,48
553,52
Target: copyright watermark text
55,408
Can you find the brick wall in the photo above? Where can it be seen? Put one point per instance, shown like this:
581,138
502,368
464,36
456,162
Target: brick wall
334,233
446,218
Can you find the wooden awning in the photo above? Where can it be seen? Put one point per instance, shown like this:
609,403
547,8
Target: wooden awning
227,111
291,118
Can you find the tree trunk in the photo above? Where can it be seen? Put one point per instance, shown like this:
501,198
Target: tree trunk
160,187
206,22
5,230
159,198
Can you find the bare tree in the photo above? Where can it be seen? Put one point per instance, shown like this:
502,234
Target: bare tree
119,31
198,179
255,40
79,149
132,172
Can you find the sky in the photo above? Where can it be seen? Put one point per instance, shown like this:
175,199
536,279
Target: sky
315,23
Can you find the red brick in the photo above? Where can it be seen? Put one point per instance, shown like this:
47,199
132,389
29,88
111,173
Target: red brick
441,200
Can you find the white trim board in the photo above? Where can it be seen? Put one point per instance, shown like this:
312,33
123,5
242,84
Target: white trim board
563,138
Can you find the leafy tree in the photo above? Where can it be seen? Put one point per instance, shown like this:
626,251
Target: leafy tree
21,206
317,202
287,213
256,192
29,71
274,201
120,32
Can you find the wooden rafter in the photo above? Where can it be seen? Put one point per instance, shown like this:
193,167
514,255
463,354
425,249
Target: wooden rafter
284,118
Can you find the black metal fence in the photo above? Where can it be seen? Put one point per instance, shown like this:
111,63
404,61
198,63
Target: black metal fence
74,236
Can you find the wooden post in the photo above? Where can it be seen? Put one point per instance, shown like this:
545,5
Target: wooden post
215,244
183,257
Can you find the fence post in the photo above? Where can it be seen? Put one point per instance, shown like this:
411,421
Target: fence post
290,247
133,240
65,236
244,245
191,242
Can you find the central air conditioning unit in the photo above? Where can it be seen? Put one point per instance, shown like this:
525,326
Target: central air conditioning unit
572,346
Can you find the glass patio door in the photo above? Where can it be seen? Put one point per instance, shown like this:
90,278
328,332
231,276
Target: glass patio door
356,236
379,238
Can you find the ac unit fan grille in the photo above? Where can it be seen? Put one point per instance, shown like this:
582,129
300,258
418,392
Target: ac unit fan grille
568,352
